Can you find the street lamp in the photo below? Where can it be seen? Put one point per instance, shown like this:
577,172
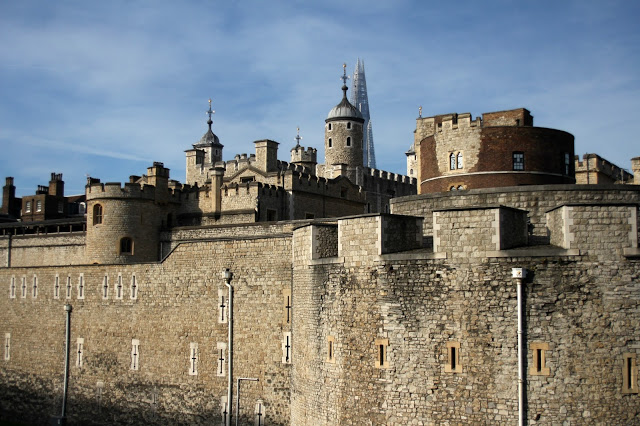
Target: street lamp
228,275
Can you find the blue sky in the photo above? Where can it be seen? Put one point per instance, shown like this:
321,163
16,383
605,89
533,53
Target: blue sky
106,88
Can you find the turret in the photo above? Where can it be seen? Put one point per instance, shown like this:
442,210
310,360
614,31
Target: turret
204,155
343,137
635,167
307,158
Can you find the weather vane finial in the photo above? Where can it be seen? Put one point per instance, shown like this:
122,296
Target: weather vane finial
210,112
420,111
298,137
344,77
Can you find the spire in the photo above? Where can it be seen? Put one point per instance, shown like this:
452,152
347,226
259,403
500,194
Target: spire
344,79
210,112
360,99
297,138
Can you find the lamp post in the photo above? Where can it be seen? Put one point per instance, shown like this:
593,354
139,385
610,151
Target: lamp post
252,379
227,281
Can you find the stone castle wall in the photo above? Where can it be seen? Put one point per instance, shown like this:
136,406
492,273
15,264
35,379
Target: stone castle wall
175,304
41,250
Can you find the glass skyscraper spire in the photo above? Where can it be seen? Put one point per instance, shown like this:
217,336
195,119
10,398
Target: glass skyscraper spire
360,100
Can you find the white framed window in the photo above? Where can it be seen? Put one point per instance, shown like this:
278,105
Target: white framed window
453,358
81,286
105,287
221,350
452,161
56,287
12,288
68,286
539,358
119,289
133,288
7,346
23,287
348,140
193,359
629,373
79,352
38,206
27,207
259,415
286,348
222,306
459,158
34,288
518,160
135,354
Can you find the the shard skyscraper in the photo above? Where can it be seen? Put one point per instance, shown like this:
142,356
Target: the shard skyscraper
360,100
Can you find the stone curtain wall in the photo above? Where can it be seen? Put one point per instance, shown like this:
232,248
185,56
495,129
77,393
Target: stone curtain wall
581,310
537,200
176,304
53,249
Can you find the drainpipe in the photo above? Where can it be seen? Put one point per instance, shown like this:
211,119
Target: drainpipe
519,274
227,278
65,390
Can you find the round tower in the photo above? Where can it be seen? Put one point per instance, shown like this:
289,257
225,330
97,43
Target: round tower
123,223
343,132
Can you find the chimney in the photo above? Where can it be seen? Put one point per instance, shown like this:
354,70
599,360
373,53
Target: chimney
56,185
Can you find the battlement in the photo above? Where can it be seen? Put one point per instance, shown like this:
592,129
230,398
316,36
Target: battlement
240,161
116,190
391,177
300,154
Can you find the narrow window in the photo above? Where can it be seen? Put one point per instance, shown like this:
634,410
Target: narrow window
224,411
38,206
221,349
56,288
452,161
126,246
629,373
518,161
286,295
348,125
259,413
286,348
119,287
97,214
539,359
381,353
105,287
79,352
459,157
134,288
135,354
330,143
222,306
34,290
69,287
348,140
329,126
12,288
60,207
27,207
7,346
567,163
331,349
453,358
24,287
81,286
193,359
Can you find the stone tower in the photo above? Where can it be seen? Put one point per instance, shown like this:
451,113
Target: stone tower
204,155
343,138
307,158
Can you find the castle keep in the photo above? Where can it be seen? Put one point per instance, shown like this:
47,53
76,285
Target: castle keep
356,300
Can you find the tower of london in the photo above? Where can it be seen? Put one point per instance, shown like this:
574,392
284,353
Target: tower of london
485,286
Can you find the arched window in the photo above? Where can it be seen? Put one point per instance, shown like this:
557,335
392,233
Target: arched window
348,125
460,188
329,125
97,214
330,144
459,160
348,140
126,246
452,161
